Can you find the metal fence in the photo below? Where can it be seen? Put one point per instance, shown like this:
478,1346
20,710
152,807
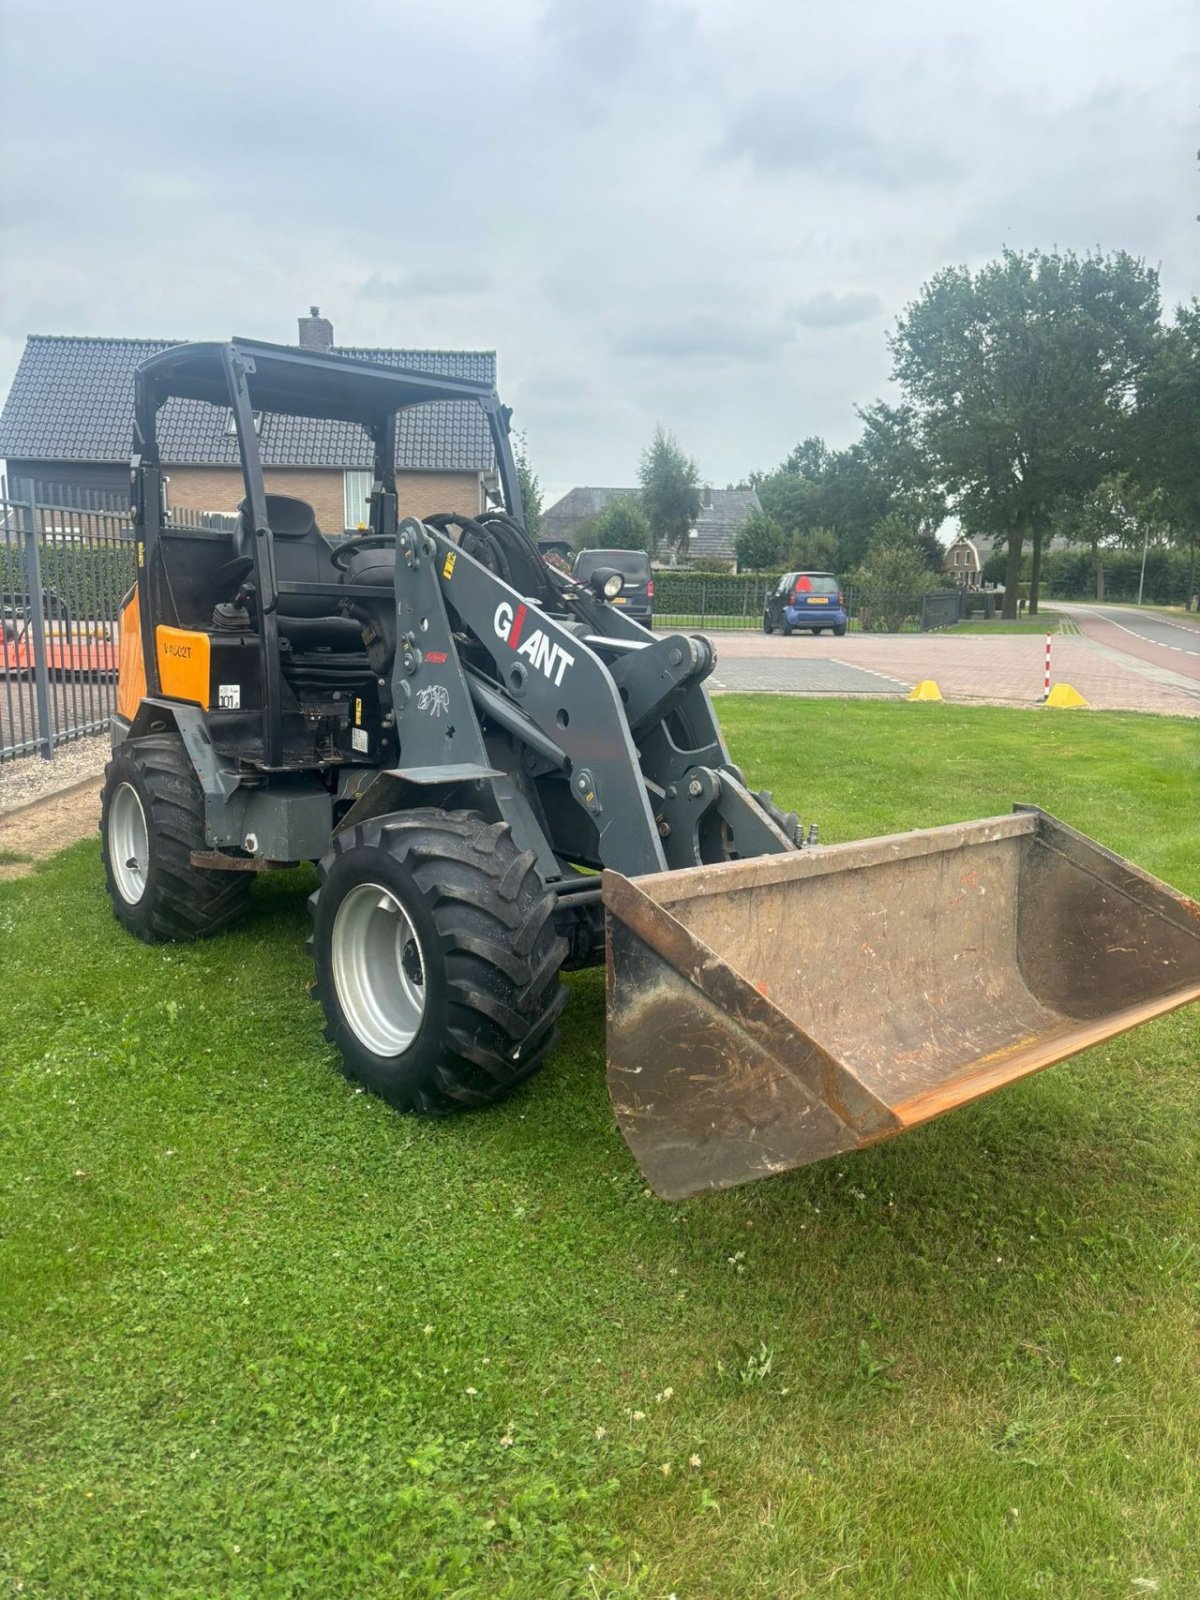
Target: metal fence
66,559
735,602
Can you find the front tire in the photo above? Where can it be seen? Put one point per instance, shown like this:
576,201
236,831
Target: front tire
436,959
767,626
151,819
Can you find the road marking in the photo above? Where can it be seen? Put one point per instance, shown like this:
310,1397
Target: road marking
1182,649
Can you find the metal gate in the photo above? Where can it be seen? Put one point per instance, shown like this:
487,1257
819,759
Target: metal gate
66,559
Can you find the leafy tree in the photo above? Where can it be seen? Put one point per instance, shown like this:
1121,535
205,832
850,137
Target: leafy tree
759,543
888,471
530,486
1167,430
810,459
792,501
670,491
1021,377
815,550
620,526
896,455
894,573
1115,514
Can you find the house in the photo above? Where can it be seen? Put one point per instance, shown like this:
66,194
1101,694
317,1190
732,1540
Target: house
722,512
965,558
68,421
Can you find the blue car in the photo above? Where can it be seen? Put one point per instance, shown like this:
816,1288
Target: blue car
812,600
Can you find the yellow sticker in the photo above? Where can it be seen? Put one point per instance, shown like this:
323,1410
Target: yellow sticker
141,554
448,564
358,713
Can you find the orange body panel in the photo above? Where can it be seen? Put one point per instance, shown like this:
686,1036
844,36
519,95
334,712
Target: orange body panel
183,664
131,680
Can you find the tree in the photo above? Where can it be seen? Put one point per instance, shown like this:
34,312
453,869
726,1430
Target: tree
1113,515
1167,431
620,526
670,491
894,573
759,543
1021,378
888,472
815,550
530,486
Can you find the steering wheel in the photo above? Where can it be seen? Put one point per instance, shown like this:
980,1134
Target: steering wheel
345,553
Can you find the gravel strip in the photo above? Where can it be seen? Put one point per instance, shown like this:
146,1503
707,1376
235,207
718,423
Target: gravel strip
31,778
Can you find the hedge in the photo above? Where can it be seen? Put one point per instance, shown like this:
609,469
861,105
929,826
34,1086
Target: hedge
88,579
1071,574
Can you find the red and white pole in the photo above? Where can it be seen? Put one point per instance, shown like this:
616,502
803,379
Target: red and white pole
1046,683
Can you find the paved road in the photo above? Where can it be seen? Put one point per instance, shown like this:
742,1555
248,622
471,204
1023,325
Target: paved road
1005,669
1171,642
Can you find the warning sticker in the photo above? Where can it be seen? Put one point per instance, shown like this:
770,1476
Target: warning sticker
448,564
360,739
229,696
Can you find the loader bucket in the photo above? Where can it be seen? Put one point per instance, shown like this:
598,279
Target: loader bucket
767,1013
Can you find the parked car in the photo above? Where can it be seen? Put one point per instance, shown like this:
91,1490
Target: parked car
811,600
637,597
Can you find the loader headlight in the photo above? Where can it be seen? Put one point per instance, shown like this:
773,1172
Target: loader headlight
607,582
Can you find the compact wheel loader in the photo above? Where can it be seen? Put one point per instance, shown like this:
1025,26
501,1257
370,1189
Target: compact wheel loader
501,776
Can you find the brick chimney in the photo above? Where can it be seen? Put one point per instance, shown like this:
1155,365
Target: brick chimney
316,331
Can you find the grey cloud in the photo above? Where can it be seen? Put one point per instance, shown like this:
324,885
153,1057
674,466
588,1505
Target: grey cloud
452,279
778,134
828,310
701,339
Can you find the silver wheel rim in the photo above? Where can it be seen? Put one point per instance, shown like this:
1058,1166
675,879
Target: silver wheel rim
378,969
128,843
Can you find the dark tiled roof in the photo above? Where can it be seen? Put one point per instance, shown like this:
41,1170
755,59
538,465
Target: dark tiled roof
576,506
716,526
718,523
72,400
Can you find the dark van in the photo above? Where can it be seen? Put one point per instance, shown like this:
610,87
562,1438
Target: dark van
637,597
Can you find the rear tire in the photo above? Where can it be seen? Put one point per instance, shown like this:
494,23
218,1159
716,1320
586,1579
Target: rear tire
840,632
436,959
151,819
785,630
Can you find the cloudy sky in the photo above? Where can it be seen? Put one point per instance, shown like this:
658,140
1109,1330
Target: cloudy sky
704,212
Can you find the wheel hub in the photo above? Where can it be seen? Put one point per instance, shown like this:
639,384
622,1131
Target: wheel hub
378,969
128,843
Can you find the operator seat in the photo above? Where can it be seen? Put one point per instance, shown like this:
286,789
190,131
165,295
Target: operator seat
303,555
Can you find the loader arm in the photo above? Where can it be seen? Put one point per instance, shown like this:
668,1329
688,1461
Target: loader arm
615,728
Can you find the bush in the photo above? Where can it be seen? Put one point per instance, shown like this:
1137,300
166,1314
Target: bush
1071,574
692,594
89,579
620,526
759,543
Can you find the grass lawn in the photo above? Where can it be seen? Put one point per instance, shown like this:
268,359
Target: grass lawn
261,1337
1044,622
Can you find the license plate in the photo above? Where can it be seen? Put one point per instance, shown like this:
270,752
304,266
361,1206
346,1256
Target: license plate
622,600
817,600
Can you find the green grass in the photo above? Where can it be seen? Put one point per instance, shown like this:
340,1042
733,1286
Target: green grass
14,858
261,1337
1044,622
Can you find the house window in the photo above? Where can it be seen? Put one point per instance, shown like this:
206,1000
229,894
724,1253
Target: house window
231,425
356,495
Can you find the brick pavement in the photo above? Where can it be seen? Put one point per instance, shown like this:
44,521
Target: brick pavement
1005,670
